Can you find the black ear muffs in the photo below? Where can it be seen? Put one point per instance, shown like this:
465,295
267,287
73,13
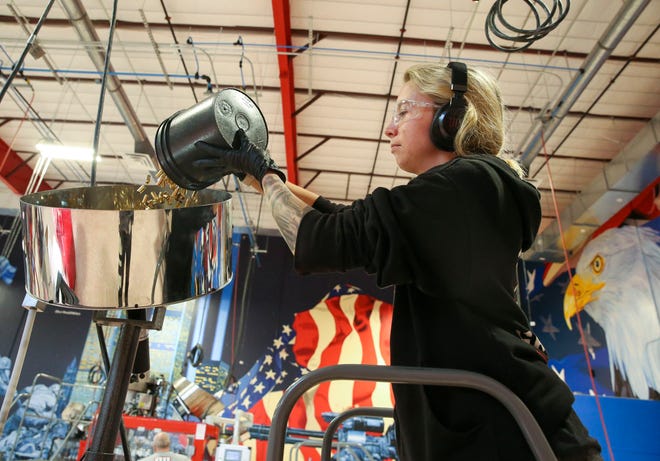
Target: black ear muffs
447,120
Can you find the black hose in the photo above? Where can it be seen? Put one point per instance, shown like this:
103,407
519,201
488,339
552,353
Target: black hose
545,20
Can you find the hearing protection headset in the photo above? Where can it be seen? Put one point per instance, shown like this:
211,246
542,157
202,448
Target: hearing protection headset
447,120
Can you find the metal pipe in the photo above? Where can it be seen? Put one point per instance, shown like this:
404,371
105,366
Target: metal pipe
104,80
87,33
106,367
74,426
23,414
624,18
408,375
18,366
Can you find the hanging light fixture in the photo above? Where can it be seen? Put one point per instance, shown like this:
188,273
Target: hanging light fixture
61,151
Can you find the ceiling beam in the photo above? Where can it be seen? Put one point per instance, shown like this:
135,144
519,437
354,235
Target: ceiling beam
282,22
14,172
316,96
322,34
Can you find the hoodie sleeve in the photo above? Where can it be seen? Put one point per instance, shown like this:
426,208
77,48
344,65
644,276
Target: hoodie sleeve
402,235
447,231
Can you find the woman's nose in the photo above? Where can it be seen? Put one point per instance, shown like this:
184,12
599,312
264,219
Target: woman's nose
390,130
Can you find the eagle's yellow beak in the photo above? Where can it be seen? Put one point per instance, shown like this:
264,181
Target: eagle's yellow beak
579,293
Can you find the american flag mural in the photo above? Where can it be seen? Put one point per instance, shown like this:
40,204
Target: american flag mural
346,326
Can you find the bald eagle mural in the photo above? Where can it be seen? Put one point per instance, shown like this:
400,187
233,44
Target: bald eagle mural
617,282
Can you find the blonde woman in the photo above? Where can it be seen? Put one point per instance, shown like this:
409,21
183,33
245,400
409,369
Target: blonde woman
449,242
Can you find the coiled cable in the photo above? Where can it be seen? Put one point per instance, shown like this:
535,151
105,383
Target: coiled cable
546,19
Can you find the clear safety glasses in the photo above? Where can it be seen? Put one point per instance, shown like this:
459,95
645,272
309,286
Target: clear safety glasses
409,109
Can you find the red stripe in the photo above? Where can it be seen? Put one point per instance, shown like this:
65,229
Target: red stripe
310,454
362,390
330,356
298,417
307,337
260,417
385,327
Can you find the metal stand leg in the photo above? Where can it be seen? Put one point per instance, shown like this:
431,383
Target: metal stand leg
104,437
33,306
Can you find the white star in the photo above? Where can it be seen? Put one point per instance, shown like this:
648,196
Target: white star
283,354
246,402
561,374
278,343
286,329
270,374
253,380
259,388
278,381
268,359
284,373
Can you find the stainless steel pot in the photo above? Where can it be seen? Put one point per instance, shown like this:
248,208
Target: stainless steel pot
90,248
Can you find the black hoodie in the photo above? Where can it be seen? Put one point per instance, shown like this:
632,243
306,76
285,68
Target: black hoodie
449,241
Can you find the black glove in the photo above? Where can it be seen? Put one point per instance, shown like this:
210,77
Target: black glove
243,158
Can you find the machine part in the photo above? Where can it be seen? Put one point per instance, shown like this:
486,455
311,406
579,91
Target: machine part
214,120
195,355
240,424
94,248
199,402
226,452
340,418
189,438
140,375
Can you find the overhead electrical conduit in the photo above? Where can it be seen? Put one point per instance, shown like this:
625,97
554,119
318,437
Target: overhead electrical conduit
543,127
87,33
603,198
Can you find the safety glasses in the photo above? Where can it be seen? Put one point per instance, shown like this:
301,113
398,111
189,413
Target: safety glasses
409,109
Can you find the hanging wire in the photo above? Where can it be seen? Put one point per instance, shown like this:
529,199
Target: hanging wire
26,49
546,20
209,86
190,42
567,263
254,82
240,43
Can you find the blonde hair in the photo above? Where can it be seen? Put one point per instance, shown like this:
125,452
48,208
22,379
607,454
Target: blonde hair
482,129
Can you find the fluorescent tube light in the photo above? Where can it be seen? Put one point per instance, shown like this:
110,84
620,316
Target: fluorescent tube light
66,152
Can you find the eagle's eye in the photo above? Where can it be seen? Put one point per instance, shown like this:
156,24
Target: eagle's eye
597,264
